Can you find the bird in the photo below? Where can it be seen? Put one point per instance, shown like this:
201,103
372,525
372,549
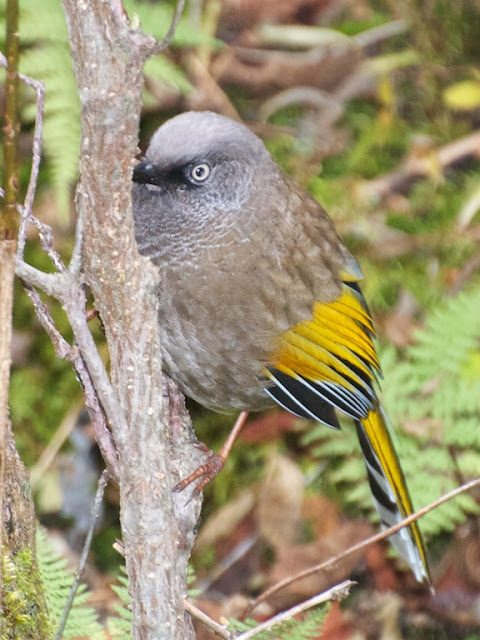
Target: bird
259,298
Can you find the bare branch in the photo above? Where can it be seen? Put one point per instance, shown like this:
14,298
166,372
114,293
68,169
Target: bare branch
55,444
375,35
430,163
300,95
308,37
210,623
53,284
102,483
8,234
163,44
331,562
337,592
65,351
57,285
37,150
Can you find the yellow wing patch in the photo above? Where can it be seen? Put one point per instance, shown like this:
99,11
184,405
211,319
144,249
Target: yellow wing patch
335,346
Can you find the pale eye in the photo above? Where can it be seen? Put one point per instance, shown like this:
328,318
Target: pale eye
200,172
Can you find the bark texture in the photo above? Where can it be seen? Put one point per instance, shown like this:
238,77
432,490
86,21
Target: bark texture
151,429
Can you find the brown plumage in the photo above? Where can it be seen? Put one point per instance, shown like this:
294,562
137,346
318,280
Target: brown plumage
259,301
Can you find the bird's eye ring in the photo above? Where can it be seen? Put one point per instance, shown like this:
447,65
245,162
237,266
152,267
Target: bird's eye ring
200,172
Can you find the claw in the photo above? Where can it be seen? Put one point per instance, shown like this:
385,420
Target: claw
215,462
206,472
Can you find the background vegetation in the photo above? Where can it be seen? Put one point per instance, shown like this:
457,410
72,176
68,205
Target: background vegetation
374,107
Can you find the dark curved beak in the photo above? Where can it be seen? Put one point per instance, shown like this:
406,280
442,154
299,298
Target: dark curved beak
146,173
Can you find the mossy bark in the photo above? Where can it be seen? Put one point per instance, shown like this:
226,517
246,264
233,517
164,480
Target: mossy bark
22,607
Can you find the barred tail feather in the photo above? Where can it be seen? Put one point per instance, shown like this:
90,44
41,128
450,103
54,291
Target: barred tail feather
389,489
328,364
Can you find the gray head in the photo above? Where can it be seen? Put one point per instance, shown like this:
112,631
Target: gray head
198,176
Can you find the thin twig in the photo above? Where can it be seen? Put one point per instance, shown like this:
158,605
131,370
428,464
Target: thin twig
55,444
210,623
26,211
102,483
415,166
37,155
163,44
383,32
337,592
331,562
62,288
46,240
65,351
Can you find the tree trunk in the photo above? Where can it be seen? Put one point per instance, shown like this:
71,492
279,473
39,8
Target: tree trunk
152,431
23,612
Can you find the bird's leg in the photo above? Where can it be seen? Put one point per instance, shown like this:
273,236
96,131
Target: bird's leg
215,462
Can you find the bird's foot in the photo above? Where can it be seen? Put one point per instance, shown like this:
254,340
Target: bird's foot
215,461
206,472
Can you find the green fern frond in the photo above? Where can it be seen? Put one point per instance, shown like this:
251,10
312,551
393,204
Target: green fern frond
449,336
309,627
120,627
57,580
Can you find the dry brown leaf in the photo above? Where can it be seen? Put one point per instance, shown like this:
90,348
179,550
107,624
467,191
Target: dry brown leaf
322,515
457,598
399,325
381,568
269,427
293,559
280,501
223,522
388,615
336,627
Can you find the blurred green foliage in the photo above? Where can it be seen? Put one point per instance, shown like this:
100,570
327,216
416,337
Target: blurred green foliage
45,55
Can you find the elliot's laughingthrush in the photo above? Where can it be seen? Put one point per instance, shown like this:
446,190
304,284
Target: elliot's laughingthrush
259,298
